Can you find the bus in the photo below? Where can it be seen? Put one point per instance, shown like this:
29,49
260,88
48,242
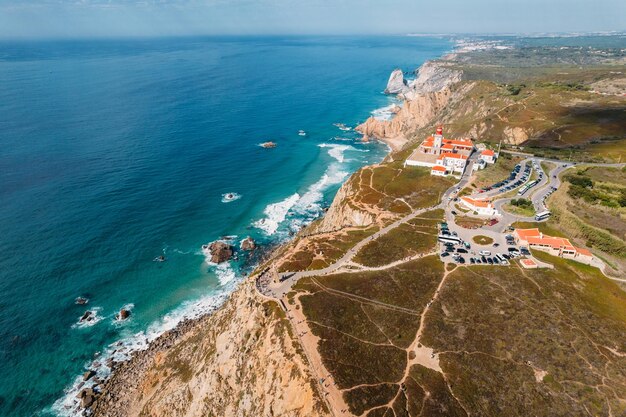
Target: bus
451,239
527,187
543,215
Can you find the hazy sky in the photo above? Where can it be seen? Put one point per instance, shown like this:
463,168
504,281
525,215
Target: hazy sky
80,18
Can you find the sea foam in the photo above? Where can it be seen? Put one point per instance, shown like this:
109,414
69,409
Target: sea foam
122,350
275,214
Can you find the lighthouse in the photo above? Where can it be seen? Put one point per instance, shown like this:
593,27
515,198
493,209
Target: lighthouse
438,139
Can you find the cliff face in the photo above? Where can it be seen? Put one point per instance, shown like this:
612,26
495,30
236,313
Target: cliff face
341,213
241,361
424,98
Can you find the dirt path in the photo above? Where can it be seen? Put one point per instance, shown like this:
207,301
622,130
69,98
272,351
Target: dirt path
309,342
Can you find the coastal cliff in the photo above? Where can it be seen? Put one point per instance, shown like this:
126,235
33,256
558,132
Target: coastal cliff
423,99
241,361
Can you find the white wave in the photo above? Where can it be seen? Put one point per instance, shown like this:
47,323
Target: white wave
230,197
275,214
384,113
96,317
308,204
122,350
225,273
337,150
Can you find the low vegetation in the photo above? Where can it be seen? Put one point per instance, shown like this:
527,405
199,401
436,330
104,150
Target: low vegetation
521,207
496,172
482,240
576,373
317,252
418,236
582,186
366,321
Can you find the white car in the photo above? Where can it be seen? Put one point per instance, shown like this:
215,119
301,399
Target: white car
484,253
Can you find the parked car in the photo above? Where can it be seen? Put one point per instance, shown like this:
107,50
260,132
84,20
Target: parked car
484,253
444,254
461,250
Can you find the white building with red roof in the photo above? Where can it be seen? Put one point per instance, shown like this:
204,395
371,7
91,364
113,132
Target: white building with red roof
488,156
444,156
557,246
481,207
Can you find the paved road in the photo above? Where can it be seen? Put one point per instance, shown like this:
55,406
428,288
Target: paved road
537,194
288,279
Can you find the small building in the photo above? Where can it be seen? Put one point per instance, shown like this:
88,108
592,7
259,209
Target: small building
482,207
439,170
479,164
488,156
556,246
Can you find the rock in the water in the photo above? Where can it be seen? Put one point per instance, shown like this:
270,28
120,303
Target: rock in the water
220,252
396,84
248,244
81,300
123,314
87,375
88,316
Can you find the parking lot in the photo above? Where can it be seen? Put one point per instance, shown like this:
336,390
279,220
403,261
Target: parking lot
455,249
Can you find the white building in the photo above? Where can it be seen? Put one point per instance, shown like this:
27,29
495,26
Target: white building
488,156
481,207
444,156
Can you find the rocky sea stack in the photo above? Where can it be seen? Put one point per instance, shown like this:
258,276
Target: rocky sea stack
248,244
220,251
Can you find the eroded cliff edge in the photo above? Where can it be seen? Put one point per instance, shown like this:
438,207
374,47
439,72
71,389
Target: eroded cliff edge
435,86
241,361
244,360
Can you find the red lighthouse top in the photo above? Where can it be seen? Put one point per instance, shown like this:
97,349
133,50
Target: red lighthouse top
440,130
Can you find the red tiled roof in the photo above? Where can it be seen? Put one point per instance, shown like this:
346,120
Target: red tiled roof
524,234
584,251
553,242
439,168
488,152
476,203
452,155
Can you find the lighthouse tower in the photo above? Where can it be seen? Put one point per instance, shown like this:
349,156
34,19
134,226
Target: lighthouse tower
438,139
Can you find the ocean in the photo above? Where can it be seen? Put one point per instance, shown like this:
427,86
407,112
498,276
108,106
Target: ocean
114,152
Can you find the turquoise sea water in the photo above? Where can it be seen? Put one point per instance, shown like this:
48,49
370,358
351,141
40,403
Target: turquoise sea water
115,152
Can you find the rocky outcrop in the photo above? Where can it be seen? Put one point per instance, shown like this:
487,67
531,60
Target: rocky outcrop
247,244
432,76
396,84
424,98
123,314
220,251
413,114
515,135
87,317
341,214
241,361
